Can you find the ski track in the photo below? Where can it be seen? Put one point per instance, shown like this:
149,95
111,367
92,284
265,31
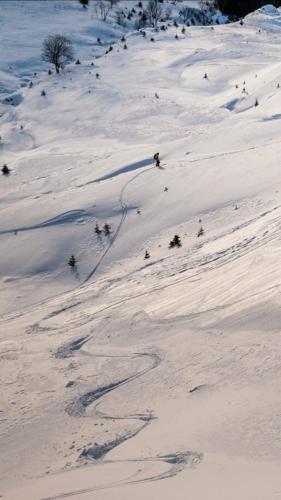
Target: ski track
177,462
124,209
78,408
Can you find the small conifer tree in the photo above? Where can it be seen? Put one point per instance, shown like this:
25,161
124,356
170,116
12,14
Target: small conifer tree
106,229
5,169
97,229
72,261
175,242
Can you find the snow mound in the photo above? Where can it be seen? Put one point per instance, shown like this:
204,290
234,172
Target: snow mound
269,10
267,17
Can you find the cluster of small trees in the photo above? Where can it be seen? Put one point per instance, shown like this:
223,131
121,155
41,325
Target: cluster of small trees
176,241
106,229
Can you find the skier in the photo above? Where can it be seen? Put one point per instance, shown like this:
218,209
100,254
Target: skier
157,159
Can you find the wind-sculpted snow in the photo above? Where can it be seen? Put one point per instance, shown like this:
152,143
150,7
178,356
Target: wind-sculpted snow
65,218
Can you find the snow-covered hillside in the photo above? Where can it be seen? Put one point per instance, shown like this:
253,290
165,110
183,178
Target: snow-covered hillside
128,377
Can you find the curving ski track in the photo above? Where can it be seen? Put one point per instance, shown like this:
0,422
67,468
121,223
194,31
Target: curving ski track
78,407
124,209
177,462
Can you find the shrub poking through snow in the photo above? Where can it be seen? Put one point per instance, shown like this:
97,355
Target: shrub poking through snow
5,169
200,232
183,30
256,102
97,75
125,46
50,72
43,93
30,85
72,261
97,229
156,95
152,39
77,61
106,229
123,39
175,242
205,76
147,255
85,3
57,50
176,36
165,189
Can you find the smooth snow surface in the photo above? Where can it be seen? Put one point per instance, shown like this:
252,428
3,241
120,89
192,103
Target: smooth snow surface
127,378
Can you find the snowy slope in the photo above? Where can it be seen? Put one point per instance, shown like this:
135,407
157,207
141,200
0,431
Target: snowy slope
129,378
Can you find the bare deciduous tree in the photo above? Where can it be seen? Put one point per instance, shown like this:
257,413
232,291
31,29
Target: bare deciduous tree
186,13
102,8
154,12
120,17
208,5
57,50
